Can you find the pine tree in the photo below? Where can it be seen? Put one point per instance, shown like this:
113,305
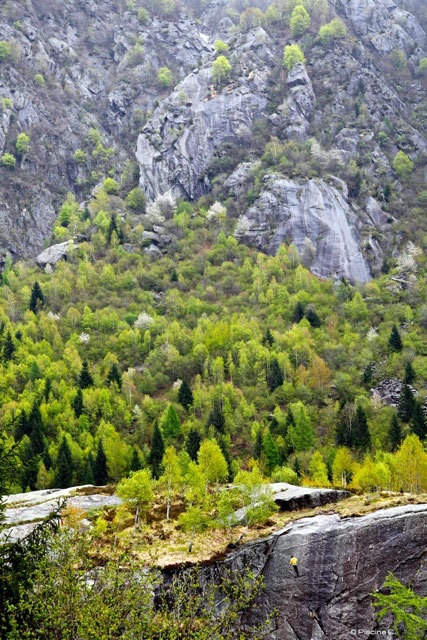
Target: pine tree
8,347
47,388
274,375
114,375
410,374
156,453
258,445
192,444
406,404
135,462
77,403
185,395
216,417
395,341
395,433
298,313
64,465
171,426
23,427
267,340
419,421
360,432
100,471
37,298
85,378
36,430
225,449
297,467
88,470
30,467
271,452
313,318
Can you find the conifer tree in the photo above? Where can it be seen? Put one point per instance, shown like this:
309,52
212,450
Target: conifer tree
395,433
36,429
267,340
395,341
114,375
64,465
88,470
297,467
274,375
85,378
360,432
419,421
298,313
30,467
100,471
135,462
192,445
37,298
406,404
156,454
258,445
225,449
8,347
216,417
77,403
271,452
313,318
410,374
185,395
23,427
171,427
47,388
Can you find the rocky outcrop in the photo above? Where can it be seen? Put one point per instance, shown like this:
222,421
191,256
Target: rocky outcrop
177,145
288,497
341,562
388,391
25,510
312,214
53,254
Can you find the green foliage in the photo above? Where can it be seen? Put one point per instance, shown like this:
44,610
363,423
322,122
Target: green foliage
169,423
64,465
165,77
422,67
85,377
407,609
100,471
271,453
292,54
318,470
212,462
5,50
143,15
8,160
39,80
110,186
220,46
274,375
300,432
137,490
221,69
395,433
334,30
80,156
22,144
403,165
136,200
395,341
185,395
300,20
156,452
37,298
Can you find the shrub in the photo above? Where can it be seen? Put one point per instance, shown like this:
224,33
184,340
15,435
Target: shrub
165,77
334,30
300,20
80,156
5,50
422,67
136,200
111,186
39,80
402,164
143,15
220,46
22,144
221,69
292,54
8,160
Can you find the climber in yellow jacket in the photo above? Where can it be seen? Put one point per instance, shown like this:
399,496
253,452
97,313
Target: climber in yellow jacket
294,563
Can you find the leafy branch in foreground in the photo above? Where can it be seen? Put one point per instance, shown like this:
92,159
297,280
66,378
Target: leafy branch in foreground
74,595
409,611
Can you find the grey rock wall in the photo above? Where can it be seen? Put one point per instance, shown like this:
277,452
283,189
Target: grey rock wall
341,562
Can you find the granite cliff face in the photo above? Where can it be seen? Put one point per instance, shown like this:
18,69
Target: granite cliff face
83,76
341,562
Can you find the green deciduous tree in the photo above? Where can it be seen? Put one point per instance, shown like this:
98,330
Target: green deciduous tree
300,431
270,452
212,462
300,20
318,470
171,477
334,30
137,491
221,69
342,467
8,161
292,54
22,144
169,423
402,164
165,77
136,200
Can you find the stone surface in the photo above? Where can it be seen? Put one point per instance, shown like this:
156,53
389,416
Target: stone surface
25,510
303,211
291,498
53,254
388,391
341,562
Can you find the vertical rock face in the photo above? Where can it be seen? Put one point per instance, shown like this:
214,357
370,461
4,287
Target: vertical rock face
341,562
177,145
312,214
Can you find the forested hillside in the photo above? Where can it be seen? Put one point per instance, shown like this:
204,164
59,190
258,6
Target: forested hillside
124,348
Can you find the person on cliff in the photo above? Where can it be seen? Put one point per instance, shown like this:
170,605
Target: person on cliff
294,563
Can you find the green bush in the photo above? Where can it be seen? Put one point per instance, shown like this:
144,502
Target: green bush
334,30
22,144
111,186
136,200
165,77
221,69
5,50
39,80
8,160
292,54
80,156
220,46
300,20
402,164
143,15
